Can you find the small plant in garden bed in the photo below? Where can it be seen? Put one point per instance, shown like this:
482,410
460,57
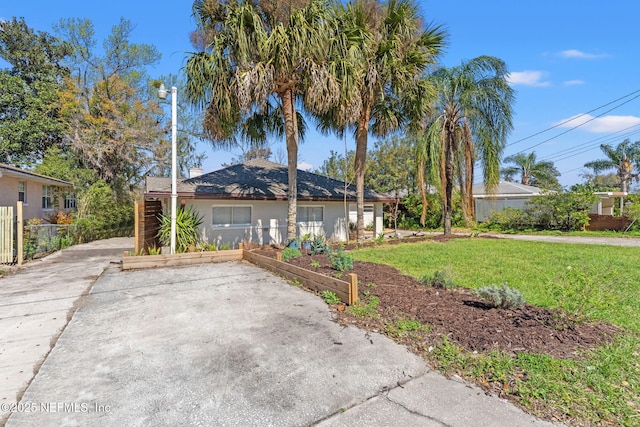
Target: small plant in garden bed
500,296
314,264
439,279
365,309
290,253
319,245
401,326
340,260
330,297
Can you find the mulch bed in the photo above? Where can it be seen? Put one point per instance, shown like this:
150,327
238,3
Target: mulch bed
459,315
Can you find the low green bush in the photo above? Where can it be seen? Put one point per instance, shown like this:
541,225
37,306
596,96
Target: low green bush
290,253
500,296
439,279
340,260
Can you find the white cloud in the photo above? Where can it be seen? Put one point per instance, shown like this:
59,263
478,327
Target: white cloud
305,166
604,124
528,78
573,82
578,54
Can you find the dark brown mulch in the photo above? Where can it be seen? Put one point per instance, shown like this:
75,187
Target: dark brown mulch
462,316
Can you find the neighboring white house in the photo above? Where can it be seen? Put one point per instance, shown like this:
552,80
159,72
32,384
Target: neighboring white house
506,195
248,202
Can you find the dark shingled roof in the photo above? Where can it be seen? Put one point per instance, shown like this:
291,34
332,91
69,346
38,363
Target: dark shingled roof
259,180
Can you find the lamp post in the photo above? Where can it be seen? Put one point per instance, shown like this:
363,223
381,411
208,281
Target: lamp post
162,94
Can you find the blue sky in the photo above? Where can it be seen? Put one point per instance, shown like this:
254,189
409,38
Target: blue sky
566,58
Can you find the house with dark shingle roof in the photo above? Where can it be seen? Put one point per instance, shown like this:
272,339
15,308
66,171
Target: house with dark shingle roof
40,195
248,202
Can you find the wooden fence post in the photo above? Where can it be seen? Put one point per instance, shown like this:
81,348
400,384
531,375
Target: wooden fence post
19,234
353,288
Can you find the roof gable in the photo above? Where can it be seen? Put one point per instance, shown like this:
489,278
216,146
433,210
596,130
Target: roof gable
260,180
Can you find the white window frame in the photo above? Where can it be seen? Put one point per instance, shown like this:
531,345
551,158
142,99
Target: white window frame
310,222
70,201
231,225
23,184
47,197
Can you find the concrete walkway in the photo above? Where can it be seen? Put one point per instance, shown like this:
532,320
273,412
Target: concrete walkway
36,302
215,344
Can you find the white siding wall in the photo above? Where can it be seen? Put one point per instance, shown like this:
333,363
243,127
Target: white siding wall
268,222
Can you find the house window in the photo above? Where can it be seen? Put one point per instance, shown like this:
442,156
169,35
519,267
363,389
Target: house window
47,197
310,214
231,215
22,191
70,201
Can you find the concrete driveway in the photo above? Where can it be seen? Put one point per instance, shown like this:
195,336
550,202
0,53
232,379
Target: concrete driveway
230,344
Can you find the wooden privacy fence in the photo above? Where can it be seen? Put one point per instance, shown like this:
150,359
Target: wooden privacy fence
147,225
6,234
346,291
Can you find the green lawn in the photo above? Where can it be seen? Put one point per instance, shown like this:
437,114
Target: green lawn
598,281
595,281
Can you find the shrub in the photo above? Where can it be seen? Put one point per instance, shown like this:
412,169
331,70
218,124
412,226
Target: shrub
439,279
340,261
319,245
290,253
101,214
500,296
188,222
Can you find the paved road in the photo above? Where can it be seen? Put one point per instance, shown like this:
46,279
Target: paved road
228,344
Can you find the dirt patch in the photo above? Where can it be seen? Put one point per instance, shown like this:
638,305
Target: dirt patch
459,315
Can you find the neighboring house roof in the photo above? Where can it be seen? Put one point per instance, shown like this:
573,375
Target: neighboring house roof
506,190
259,180
18,173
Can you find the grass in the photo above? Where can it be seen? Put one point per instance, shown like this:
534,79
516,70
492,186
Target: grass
604,280
594,281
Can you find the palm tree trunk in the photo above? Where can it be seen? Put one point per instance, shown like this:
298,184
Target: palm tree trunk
467,194
447,207
423,190
362,134
291,130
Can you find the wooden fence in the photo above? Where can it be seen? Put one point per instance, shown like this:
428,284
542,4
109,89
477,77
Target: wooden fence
147,225
6,234
346,291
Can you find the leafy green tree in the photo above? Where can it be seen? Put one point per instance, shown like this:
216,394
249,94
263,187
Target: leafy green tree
108,106
258,61
391,168
471,123
337,167
531,172
29,109
64,165
381,52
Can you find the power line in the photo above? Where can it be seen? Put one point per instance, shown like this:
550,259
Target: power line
577,126
573,118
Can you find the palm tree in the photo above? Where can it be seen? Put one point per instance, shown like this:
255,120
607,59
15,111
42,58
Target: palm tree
622,159
474,109
382,52
256,59
531,172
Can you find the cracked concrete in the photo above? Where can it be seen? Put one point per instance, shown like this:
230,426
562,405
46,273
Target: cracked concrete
230,344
